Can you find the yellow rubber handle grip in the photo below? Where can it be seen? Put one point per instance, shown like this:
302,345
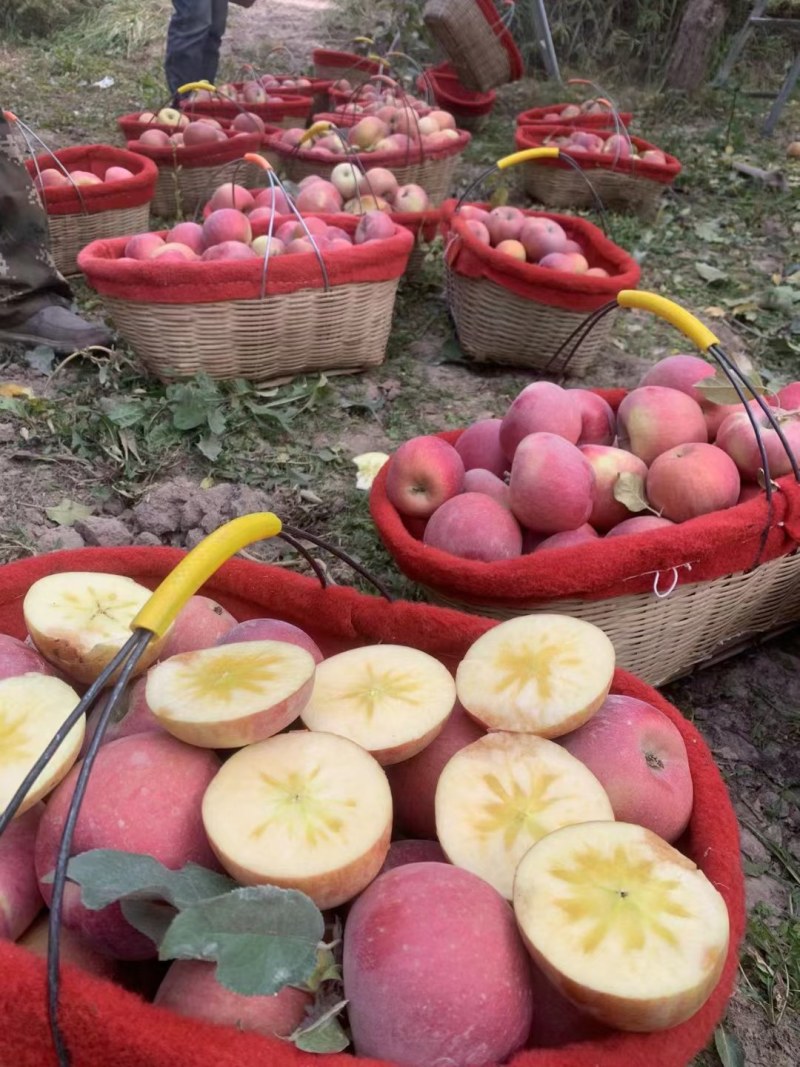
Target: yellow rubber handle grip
202,84
312,131
673,313
363,40
193,571
545,152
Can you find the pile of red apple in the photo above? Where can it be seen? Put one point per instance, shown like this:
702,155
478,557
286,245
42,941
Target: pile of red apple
266,90
570,112
617,146
369,99
398,130
356,192
531,889
560,468
52,177
190,130
529,238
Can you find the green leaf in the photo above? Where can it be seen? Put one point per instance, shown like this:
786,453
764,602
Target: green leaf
709,231
629,490
322,1032
149,917
210,446
717,389
68,512
123,412
710,274
262,938
41,358
327,970
216,421
729,1048
106,875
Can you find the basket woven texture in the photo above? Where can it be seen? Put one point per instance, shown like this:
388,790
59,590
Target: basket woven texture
476,53
554,187
274,339
70,233
182,190
660,638
497,326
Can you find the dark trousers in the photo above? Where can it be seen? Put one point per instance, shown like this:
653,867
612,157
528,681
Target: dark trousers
28,277
193,41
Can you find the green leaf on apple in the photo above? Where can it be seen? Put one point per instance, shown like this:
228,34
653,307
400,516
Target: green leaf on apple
717,389
710,274
107,875
68,512
729,1048
262,938
150,917
321,1031
629,490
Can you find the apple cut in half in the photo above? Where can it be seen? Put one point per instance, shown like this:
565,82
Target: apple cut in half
391,700
308,811
624,925
80,620
539,674
231,695
498,796
32,708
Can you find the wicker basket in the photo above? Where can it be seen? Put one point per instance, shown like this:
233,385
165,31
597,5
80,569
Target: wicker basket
434,173
476,42
498,325
661,638
70,233
626,186
180,191
597,121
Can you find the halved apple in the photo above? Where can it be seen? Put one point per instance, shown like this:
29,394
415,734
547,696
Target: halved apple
623,924
501,794
80,620
32,707
538,674
391,700
231,695
308,811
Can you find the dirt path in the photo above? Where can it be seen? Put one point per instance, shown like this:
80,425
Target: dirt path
298,24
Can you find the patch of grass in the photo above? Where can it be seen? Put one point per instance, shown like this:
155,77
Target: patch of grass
770,962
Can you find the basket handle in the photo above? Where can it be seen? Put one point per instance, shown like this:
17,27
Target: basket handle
690,326
29,135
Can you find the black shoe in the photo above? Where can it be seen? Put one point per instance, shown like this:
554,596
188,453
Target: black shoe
59,329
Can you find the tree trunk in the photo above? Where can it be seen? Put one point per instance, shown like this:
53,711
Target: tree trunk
698,33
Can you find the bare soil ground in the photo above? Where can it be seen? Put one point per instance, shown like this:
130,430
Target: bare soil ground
103,454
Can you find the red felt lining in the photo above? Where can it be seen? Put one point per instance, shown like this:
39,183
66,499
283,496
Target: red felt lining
535,116
107,196
104,1024
196,282
574,292
451,95
202,155
715,545
533,136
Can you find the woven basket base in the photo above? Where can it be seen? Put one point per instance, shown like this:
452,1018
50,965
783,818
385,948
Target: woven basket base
662,638
180,192
434,175
497,326
70,233
465,37
555,187
345,329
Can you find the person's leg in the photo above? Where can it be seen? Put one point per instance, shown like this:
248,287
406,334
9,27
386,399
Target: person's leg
187,41
219,19
34,298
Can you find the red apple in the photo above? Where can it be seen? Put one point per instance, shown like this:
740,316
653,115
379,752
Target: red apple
422,474
541,407
228,250
542,237
479,446
189,234
411,198
608,464
504,224
652,419
598,421
692,480
143,245
552,484
638,524
228,225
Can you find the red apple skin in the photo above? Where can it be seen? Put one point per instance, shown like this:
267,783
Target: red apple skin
504,224
513,249
749,492
226,224
552,484
199,624
421,987
598,421
692,480
322,196
72,949
20,899
681,372
608,463
423,473
143,245
638,524
479,231
17,658
228,250
412,851
737,439
189,234
540,237
541,407
640,759
479,446
652,419
556,1020
413,782
481,481
271,630
788,398
569,538
373,226
474,526
190,987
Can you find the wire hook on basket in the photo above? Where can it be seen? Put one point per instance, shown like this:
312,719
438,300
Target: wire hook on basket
29,135
153,620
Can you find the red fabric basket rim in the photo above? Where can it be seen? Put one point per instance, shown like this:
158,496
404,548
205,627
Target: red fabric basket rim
104,1022
107,196
330,57
533,136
